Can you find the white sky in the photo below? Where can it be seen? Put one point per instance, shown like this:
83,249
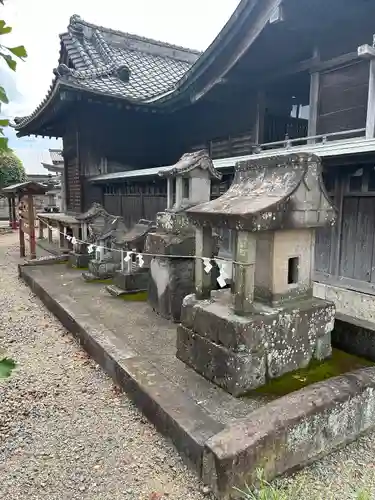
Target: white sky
37,24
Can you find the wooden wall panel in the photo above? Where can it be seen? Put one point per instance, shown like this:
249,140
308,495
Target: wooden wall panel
323,249
343,98
349,225
364,239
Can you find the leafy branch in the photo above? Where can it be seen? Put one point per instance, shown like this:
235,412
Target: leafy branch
10,55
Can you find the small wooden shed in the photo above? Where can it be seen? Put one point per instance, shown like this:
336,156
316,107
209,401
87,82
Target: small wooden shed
23,194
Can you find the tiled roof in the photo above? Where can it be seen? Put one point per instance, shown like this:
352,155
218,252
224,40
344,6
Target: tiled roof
116,64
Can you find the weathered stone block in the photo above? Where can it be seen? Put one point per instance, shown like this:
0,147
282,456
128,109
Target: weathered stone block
169,283
236,372
103,269
135,281
288,337
290,432
170,244
79,260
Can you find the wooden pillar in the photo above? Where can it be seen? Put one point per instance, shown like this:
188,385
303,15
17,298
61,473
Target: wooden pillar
370,120
169,192
41,229
244,272
203,248
10,211
30,210
260,117
21,231
314,101
14,216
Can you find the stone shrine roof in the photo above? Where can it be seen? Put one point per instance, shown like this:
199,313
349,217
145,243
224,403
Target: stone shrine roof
280,192
135,234
190,161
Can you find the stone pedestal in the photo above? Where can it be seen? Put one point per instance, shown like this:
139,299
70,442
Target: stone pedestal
269,324
171,278
101,270
129,282
241,353
79,260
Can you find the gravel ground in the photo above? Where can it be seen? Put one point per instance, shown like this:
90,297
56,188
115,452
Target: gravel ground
66,432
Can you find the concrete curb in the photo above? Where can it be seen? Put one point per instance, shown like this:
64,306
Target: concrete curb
281,436
172,412
291,432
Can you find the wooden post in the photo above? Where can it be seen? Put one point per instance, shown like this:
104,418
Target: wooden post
244,272
21,232
260,117
314,101
41,229
203,248
14,215
10,212
31,221
370,120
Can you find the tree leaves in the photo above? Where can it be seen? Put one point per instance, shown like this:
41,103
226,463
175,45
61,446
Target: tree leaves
19,51
11,168
7,54
4,29
9,60
3,96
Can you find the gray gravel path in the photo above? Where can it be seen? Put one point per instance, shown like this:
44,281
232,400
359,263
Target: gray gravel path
66,433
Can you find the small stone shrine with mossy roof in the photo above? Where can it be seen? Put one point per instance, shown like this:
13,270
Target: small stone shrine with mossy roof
171,272
269,323
133,277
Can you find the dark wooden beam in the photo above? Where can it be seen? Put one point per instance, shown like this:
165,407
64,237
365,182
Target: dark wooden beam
312,65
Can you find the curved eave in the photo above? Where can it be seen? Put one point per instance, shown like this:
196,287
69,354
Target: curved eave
242,29
35,121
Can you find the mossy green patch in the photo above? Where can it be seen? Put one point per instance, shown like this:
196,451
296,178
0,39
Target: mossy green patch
7,365
134,297
340,363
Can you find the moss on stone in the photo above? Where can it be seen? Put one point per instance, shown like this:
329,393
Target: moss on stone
135,297
339,364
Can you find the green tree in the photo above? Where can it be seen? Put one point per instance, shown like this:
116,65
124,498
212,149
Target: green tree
10,56
11,169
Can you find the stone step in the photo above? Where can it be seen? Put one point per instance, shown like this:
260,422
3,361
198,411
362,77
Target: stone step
87,276
115,291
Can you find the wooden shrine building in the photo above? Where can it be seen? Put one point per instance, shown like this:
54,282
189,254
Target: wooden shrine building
296,75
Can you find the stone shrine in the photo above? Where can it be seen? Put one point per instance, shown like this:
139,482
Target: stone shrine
171,277
103,231
269,323
132,277
91,223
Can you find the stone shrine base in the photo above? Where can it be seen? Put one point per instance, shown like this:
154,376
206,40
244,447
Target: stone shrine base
79,260
125,283
242,353
224,438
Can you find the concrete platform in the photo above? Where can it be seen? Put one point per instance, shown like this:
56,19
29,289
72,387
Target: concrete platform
225,439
